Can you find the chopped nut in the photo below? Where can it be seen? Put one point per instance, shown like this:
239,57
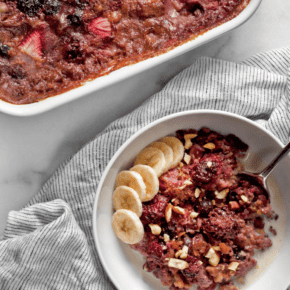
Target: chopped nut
180,164
216,248
187,182
164,248
178,253
209,164
168,212
190,136
178,209
187,138
234,205
209,146
213,202
177,263
242,253
233,266
182,253
187,144
222,194
197,193
200,262
244,198
186,158
194,214
214,259
155,229
166,238
210,253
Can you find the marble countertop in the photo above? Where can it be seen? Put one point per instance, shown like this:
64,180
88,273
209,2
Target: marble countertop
31,148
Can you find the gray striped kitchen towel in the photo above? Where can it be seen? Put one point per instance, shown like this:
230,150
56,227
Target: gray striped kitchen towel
49,243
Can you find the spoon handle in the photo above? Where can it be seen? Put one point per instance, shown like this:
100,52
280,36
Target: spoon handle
271,166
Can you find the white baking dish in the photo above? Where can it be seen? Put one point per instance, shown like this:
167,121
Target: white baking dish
128,71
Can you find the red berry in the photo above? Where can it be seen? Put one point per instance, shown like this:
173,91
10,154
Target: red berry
32,44
100,26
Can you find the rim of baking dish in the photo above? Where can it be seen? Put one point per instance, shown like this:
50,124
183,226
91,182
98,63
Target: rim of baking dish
128,71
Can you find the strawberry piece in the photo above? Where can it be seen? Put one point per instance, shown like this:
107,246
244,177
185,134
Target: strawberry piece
100,26
32,44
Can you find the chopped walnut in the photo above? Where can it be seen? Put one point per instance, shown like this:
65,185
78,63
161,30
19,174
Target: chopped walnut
155,229
177,263
182,253
178,209
233,266
213,257
185,183
209,146
197,193
186,158
244,198
194,214
187,138
168,212
222,194
166,238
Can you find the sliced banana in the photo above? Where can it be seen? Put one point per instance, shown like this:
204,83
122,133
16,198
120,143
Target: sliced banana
125,197
177,147
152,157
127,226
167,151
150,179
132,179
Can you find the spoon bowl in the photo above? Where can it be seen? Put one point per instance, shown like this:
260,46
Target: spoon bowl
260,178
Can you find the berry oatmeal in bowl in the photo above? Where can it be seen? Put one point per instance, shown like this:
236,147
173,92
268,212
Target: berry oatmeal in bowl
172,211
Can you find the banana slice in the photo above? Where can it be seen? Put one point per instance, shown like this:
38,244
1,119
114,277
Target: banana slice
177,147
125,197
167,151
132,179
152,157
150,179
127,226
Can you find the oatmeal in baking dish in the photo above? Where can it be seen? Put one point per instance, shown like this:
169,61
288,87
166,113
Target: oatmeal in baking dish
48,47
204,223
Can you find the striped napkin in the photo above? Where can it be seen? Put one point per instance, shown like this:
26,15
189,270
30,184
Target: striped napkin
49,243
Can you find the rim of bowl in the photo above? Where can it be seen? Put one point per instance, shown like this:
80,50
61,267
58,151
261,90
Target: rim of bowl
137,134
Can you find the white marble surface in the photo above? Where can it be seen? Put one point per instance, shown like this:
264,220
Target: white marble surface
31,148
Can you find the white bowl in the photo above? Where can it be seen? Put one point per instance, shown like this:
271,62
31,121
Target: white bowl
124,266
128,71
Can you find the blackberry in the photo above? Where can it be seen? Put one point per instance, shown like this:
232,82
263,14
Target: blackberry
81,3
204,207
51,7
17,72
4,50
29,7
75,19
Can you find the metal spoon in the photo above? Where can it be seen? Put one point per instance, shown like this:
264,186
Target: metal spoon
260,178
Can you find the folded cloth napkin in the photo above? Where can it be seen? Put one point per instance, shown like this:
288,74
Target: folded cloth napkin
49,243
